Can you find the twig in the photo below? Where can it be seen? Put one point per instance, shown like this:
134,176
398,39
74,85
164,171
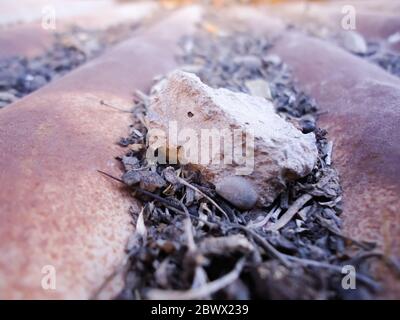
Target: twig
308,262
145,192
111,176
141,229
103,103
109,278
365,246
188,229
161,199
200,275
289,214
187,184
366,255
200,292
211,225
263,222
141,168
329,148
265,244
141,96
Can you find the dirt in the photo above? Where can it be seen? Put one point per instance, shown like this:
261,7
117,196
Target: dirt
192,244
387,60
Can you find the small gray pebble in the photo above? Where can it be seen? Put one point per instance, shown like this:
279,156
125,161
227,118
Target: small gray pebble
307,126
238,191
250,62
130,163
132,177
272,59
151,181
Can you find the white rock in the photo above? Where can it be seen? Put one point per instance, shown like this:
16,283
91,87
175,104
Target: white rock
281,152
394,38
259,88
354,42
272,59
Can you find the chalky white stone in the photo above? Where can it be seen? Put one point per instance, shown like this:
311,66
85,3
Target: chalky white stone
276,152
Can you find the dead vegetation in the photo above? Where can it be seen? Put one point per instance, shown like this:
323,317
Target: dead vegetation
192,244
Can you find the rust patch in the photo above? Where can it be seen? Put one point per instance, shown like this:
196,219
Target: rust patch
27,40
362,116
55,208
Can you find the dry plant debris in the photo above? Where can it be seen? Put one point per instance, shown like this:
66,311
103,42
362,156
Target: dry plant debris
192,244
20,76
281,153
378,52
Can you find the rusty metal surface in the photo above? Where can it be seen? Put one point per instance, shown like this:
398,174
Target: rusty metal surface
27,40
25,11
360,109
378,26
242,18
55,208
361,104
375,20
31,39
116,14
